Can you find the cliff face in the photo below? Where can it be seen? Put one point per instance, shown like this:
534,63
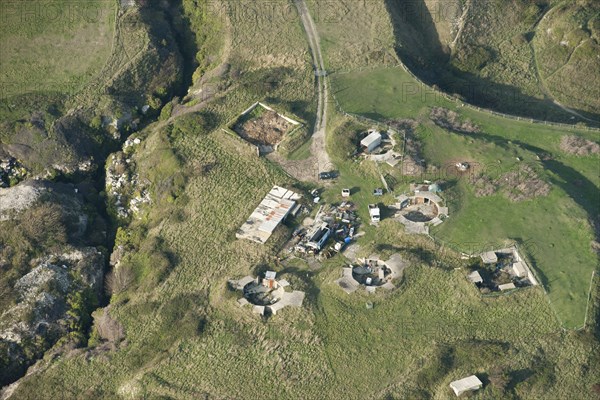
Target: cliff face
531,58
50,277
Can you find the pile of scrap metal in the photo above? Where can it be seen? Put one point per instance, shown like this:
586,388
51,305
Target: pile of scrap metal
334,226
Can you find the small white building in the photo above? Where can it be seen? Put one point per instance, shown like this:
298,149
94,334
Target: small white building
374,212
372,141
470,383
489,257
506,286
475,277
345,192
518,268
269,280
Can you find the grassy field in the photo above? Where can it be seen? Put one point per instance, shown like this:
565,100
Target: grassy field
186,337
54,47
555,225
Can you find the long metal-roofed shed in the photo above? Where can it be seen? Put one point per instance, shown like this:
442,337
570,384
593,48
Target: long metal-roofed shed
271,211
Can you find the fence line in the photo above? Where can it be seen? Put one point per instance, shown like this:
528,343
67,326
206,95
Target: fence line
587,307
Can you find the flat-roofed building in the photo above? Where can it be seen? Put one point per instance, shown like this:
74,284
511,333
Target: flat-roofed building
475,277
519,269
489,257
506,286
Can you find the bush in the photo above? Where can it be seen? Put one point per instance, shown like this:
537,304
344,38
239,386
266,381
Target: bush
166,111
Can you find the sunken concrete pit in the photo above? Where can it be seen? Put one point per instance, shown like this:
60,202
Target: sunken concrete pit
266,294
416,212
372,273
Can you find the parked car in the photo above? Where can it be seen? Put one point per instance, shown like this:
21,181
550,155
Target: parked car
328,175
378,192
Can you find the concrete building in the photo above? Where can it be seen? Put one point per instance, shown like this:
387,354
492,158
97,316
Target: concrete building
470,383
506,286
269,280
489,257
271,211
519,269
371,142
475,277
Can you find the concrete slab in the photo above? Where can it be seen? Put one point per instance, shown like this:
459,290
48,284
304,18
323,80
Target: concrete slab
243,302
348,285
397,264
241,283
283,283
258,310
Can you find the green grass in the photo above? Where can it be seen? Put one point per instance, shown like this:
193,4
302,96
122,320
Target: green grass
302,152
54,47
556,225
187,338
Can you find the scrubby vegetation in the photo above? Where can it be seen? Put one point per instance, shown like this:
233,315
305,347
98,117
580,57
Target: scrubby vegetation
173,329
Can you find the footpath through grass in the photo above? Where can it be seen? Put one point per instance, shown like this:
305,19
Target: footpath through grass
555,227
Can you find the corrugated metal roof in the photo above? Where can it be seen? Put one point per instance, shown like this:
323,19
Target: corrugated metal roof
268,215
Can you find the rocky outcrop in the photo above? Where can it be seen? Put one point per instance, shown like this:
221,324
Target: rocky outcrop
50,274
19,198
11,171
125,191
45,309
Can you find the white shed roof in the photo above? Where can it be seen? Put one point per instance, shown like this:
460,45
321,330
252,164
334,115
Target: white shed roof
519,268
373,137
507,286
475,277
489,257
469,383
270,274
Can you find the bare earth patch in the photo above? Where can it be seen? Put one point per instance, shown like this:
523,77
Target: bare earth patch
450,120
579,146
520,184
266,130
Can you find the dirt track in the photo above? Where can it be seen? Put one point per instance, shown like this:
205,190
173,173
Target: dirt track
321,158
